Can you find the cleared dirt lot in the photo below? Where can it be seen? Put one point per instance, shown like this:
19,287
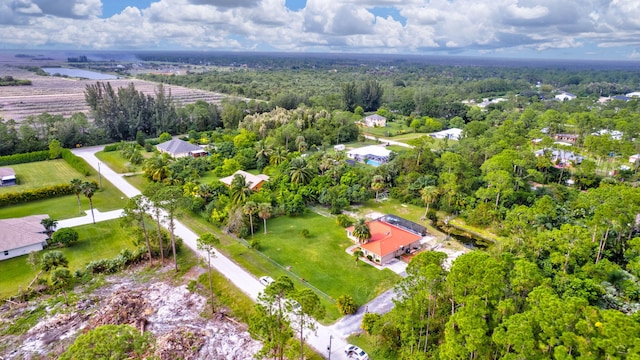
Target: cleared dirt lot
65,96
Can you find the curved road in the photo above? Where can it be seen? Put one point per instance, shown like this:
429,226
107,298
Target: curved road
335,334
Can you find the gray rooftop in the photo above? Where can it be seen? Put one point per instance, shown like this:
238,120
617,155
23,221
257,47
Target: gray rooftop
20,232
177,146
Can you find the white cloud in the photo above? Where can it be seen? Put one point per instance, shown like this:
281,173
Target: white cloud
349,25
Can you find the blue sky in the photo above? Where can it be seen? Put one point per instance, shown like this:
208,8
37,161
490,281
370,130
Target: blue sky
578,29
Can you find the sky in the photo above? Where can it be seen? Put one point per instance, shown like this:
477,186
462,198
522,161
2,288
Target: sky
547,29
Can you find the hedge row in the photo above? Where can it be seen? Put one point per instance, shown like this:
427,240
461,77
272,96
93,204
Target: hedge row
110,147
75,162
35,194
24,158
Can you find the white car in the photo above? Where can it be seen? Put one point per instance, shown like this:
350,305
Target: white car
354,352
266,280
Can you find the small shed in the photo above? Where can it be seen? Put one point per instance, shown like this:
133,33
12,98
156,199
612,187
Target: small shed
339,147
7,177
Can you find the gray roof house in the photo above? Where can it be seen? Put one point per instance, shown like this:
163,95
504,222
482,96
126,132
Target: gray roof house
561,157
180,148
20,236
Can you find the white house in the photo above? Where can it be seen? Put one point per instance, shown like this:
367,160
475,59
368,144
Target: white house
565,96
560,157
178,148
375,120
20,236
7,177
452,134
634,94
377,153
339,147
615,134
634,158
255,182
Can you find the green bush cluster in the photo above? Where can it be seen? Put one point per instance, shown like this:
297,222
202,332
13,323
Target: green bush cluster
75,162
112,266
24,158
111,147
35,194
346,305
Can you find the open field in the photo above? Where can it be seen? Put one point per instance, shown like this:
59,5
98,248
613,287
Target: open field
65,96
40,174
103,240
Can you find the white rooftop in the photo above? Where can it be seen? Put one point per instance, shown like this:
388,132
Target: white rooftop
376,150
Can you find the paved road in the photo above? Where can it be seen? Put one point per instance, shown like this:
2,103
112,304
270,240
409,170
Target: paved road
336,334
390,142
87,219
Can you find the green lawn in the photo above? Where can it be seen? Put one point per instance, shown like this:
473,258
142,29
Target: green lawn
41,174
113,160
117,163
100,241
392,129
64,207
321,259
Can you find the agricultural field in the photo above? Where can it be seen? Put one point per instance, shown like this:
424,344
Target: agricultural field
41,174
65,96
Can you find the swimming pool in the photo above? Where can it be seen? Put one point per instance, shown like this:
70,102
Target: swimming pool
375,163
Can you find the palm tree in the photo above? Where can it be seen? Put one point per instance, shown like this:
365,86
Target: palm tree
76,187
88,189
156,168
358,253
263,153
239,190
278,156
299,172
250,208
264,212
377,185
429,194
362,232
301,143
49,226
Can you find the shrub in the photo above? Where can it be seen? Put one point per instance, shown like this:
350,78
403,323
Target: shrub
75,162
346,305
65,236
24,158
35,194
344,220
304,233
112,342
369,322
110,148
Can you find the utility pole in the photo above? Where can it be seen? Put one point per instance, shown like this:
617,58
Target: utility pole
329,347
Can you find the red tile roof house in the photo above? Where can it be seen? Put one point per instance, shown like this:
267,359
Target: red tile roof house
391,236
20,236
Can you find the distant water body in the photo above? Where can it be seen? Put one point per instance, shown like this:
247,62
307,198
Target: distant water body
78,73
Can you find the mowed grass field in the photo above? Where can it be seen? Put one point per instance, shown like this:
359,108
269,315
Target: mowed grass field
40,174
104,240
321,258
64,207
